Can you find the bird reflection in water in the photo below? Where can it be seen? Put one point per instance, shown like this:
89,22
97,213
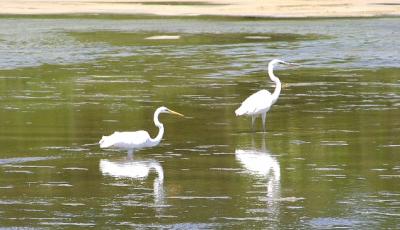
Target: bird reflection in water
137,169
265,168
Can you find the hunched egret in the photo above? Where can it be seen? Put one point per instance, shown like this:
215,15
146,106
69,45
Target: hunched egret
260,102
139,139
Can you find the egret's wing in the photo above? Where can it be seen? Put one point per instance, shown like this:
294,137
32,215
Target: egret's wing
125,140
256,102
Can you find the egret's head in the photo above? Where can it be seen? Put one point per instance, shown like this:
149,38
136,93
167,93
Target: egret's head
164,109
278,61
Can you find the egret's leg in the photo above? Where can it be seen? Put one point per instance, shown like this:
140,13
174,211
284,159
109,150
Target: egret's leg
253,118
130,154
263,116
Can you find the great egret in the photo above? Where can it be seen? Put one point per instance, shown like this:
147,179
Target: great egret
136,140
260,102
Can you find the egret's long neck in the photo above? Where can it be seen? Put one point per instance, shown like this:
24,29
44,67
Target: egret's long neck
275,79
160,126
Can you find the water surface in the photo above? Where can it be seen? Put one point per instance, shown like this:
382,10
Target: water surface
329,158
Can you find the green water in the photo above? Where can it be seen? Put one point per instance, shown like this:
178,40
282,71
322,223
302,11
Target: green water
329,158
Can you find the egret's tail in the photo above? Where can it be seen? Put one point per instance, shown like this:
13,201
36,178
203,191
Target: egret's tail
240,111
105,142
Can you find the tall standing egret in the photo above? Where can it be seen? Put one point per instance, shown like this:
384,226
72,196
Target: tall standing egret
260,102
136,140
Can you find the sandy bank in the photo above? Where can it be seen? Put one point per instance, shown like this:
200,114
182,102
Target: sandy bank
256,8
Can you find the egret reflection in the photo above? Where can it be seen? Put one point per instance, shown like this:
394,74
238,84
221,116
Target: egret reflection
264,167
137,169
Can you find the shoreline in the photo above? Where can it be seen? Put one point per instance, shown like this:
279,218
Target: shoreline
273,9
116,16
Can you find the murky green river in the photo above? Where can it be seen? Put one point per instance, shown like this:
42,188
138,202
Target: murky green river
329,159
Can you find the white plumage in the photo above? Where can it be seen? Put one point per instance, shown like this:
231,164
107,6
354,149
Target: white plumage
126,140
261,102
253,105
136,140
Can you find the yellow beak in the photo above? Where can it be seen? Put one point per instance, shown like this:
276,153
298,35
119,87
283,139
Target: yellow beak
293,64
176,113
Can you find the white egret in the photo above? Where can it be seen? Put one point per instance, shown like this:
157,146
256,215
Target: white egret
260,102
136,140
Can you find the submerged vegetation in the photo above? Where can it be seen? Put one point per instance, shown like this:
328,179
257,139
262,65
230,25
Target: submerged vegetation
157,39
